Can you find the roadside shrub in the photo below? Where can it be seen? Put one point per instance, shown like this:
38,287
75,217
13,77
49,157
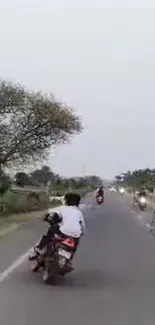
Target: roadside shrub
81,191
15,202
19,202
55,202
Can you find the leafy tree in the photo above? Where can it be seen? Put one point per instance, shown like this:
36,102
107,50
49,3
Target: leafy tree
138,178
42,176
5,183
118,178
22,179
30,123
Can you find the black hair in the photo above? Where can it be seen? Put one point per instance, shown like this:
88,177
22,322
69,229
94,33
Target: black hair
72,199
77,199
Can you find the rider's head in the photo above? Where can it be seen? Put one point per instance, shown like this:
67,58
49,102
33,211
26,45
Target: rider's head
72,199
77,199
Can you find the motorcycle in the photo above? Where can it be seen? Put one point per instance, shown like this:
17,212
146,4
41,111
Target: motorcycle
122,191
54,261
100,199
142,203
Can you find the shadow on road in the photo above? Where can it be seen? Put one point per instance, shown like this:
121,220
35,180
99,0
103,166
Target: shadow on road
95,279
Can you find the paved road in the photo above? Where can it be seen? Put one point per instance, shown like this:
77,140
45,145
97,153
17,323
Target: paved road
144,217
113,282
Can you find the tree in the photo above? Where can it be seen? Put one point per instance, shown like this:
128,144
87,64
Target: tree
22,179
138,178
30,123
43,176
5,182
118,178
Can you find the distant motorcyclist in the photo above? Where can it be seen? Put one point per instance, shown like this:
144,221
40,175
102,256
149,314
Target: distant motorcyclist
142,192
139,193
100,192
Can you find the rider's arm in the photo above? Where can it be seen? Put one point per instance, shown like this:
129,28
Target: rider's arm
53,218
57,218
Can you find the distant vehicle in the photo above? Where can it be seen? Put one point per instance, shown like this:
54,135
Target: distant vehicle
112,189
142,203
122,190
100,199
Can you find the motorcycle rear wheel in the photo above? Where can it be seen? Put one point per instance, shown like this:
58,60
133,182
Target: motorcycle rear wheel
48,276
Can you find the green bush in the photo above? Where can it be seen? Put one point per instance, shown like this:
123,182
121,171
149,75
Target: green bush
18,202
62,192
55,202
15,202
10,202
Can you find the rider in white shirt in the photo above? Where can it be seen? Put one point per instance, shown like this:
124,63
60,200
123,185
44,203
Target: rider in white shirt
66,221
72,223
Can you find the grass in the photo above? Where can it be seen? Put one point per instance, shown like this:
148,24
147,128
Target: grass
14,221
12,217
16,203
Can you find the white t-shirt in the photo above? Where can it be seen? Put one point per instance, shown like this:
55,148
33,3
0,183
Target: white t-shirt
72,223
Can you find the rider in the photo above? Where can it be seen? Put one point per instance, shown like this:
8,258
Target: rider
100,192
142,192
67,221
138,193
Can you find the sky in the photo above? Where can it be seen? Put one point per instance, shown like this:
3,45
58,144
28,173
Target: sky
98,57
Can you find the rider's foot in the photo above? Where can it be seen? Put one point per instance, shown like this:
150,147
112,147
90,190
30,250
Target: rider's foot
37,251
33,256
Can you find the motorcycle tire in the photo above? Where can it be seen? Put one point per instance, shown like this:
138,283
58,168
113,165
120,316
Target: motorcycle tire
46,276
49,275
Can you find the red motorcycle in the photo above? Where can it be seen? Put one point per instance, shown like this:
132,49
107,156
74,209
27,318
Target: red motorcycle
55,259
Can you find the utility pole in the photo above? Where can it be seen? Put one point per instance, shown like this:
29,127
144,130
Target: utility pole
84,170
48,188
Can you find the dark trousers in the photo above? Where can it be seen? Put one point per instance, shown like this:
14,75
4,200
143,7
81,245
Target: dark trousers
49,235
53,230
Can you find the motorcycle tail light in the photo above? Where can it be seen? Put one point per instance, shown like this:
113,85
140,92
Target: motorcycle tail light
69,242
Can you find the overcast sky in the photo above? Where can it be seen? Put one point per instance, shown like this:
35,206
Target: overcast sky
97,56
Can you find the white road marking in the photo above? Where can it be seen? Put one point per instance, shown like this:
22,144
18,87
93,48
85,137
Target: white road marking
22,258
13,266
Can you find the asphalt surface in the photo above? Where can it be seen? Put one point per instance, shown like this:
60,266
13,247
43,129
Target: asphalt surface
144,217
113,281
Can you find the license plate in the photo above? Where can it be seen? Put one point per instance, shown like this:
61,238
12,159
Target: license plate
64,253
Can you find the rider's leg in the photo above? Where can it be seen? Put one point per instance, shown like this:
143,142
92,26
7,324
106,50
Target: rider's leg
38,249
46,238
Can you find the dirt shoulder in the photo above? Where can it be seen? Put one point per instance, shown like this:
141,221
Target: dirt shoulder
14,221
